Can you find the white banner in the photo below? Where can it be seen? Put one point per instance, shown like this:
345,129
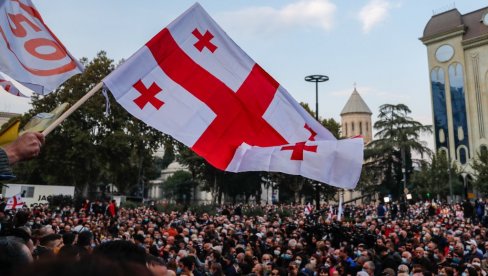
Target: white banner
31,53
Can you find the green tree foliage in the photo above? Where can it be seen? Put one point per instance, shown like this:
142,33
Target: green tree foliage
433,178
480,168
398,137
180,187
332,125
90,149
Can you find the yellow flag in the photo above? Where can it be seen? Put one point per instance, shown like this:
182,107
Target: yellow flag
10,132
41,121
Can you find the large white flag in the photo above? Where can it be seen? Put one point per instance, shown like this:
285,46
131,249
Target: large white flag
194,83
30,52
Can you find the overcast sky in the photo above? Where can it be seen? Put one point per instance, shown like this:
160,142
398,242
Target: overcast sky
371,43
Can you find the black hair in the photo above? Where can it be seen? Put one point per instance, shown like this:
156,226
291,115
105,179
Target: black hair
69,238
121,251
139,238
188,262
21,233
51,237
12,255
93,266
84,238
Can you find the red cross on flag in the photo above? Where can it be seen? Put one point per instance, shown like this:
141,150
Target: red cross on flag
14,202
31,53
9,85
308,209
194,83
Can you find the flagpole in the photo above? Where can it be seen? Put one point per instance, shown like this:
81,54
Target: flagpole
72,109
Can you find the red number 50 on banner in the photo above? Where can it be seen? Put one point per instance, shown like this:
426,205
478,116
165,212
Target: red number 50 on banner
29,47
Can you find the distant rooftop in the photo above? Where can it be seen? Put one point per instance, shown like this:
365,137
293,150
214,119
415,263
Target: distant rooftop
355,104
8,114
471,24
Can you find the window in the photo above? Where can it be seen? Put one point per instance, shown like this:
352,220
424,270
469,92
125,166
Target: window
366,126
462,156
352,127
360,128
346,129
438,87
458,105
27,191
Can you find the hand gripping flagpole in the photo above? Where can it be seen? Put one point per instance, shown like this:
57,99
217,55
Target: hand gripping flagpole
72,109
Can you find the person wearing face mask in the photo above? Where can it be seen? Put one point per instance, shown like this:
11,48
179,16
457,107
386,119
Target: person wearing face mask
276,253
476,263
266,259
287,256
299,262
348,263
369,268
422,260
469,271
313,262
440,259
471,251
407,259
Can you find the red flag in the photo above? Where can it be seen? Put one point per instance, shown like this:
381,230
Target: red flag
31,53
193,82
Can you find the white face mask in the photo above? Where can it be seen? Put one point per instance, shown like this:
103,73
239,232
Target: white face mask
298,262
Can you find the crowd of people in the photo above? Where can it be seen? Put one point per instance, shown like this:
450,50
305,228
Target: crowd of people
96,238
422,238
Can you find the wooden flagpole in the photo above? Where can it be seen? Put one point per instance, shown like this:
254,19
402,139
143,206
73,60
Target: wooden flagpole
72,109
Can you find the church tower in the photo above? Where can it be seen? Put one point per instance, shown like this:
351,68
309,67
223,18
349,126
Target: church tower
356,118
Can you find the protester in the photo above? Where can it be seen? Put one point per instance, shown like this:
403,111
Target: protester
25,147
426,238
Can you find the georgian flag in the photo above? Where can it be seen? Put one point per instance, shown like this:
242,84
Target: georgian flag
308,209
11,86
14,202
194,83
31,53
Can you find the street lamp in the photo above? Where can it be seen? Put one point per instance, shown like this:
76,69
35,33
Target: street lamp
317,79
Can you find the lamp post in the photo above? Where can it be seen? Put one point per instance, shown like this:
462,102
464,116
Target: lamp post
317,79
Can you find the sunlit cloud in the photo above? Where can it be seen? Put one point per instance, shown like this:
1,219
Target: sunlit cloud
302,13
375,12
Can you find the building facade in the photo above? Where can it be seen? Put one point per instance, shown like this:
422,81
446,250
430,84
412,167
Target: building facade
457,50
356,118
356,121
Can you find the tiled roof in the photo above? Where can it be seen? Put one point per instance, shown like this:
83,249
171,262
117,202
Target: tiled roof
355,104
